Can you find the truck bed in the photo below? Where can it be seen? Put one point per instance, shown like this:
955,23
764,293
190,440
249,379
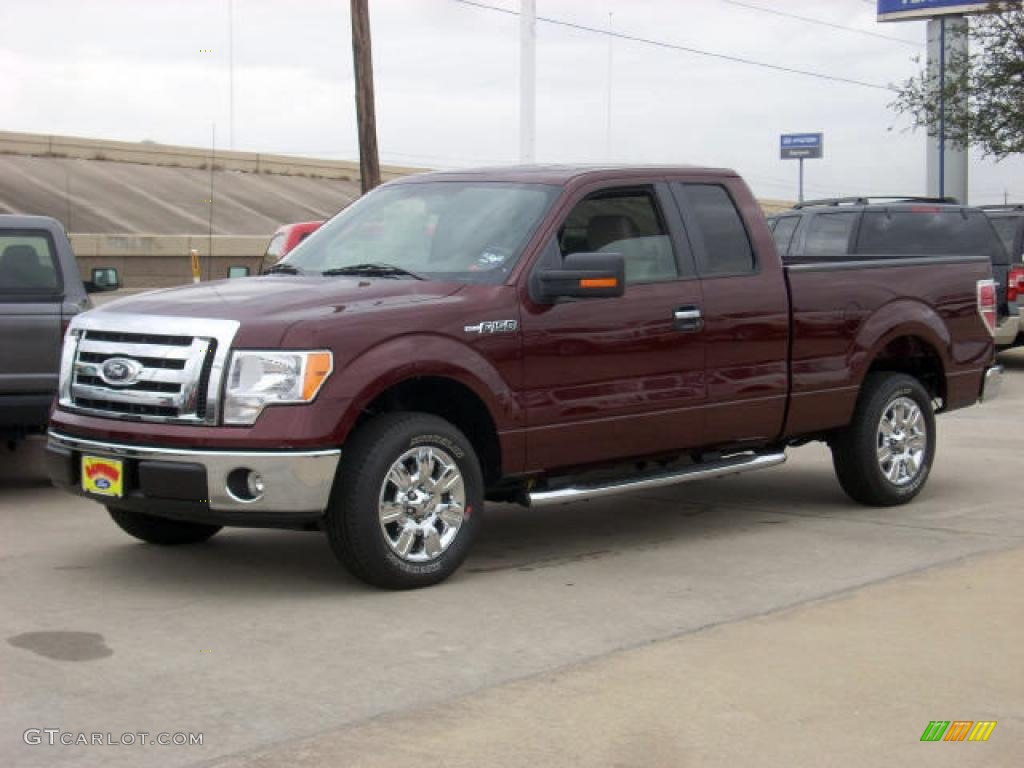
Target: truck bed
841,307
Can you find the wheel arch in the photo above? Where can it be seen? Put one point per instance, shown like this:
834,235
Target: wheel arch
907,337
438,376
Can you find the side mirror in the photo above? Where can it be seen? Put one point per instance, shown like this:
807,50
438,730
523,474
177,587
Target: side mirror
239,272
583,276
103,279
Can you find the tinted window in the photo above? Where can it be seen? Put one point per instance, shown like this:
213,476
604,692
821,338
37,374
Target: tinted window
828,234
727,249
627,222
1007,227
928,232
27,264
783,233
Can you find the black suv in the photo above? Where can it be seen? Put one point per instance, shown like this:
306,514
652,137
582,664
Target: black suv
888,227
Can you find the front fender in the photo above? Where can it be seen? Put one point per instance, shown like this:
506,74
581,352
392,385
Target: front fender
363,378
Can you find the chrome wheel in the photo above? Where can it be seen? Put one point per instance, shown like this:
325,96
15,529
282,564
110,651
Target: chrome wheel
422,504
902,441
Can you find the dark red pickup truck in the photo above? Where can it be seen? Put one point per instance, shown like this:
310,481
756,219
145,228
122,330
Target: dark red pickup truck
540,335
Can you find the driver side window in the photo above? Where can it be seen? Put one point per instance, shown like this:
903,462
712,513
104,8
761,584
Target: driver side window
626,222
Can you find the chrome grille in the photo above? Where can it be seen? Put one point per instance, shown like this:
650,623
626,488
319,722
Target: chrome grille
177,366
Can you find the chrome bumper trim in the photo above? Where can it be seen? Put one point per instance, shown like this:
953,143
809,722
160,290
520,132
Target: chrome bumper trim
991,384
295,481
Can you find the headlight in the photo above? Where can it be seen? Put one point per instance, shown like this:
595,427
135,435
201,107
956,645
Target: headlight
258,379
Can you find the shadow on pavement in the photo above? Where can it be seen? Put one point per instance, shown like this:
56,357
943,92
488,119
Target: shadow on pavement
264,563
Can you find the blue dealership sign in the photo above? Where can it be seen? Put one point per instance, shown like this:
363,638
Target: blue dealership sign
806,146
909,10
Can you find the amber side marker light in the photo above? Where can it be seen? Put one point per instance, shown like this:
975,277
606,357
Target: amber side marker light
598,282
318,367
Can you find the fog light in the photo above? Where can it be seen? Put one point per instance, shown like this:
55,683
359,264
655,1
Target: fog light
254,482
245,484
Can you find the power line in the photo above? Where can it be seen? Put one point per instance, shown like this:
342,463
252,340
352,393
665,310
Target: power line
683,48
823,23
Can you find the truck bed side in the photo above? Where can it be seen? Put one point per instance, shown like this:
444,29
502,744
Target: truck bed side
852,314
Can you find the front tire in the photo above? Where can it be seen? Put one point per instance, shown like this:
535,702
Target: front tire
407,501
161,530
885,456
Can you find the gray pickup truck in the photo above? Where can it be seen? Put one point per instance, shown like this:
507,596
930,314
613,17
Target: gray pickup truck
40,291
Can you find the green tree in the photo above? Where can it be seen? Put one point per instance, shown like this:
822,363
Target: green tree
984,90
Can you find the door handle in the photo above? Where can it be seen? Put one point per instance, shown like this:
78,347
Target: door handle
688,319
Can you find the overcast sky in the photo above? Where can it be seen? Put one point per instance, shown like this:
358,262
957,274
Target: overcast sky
447,83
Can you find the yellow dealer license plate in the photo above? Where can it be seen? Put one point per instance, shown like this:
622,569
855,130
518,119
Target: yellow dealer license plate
104,477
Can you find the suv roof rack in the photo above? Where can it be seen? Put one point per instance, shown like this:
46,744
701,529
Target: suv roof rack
1009,207
868,200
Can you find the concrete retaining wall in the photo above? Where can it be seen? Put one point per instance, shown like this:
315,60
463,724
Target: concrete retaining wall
161,261
186,157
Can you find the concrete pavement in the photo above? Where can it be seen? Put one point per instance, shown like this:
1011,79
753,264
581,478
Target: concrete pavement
261,642
850,681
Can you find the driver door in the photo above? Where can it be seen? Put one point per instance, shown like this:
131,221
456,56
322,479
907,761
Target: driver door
608,378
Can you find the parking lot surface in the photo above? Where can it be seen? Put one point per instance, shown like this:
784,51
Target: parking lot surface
700,600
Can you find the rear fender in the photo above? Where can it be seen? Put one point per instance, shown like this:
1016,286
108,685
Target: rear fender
904,317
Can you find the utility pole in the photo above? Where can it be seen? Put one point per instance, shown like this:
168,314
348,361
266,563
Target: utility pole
369,163
527,81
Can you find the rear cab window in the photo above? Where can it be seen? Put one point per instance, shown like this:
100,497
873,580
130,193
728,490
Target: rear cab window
721,242
28,265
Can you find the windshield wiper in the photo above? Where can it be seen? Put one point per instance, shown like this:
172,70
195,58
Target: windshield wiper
372,270
284,269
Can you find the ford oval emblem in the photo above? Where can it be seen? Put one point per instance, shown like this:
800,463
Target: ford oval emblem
120,371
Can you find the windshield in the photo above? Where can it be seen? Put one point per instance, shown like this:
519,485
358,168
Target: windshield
464,231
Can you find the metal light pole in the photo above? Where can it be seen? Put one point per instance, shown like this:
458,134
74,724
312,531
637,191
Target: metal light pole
528,81
231,74
608,116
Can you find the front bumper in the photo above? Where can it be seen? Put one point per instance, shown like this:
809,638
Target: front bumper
991,384
193,485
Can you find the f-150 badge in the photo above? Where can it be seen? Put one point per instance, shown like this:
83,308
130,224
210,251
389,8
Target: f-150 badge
493,326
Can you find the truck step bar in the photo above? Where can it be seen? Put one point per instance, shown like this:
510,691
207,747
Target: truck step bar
732,465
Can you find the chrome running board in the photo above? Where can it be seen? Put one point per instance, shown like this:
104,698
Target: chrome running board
746,462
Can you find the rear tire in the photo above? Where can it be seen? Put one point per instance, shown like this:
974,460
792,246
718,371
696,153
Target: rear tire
161,530
407,501
885,456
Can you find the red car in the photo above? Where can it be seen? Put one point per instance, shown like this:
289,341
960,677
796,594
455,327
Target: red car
285,239
537,335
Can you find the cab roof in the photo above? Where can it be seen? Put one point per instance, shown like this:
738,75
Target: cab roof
562,175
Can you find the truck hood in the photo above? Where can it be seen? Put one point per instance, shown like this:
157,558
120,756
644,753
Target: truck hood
266,307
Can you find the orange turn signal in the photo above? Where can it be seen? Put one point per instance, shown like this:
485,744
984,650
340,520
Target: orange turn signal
318,367
599,282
